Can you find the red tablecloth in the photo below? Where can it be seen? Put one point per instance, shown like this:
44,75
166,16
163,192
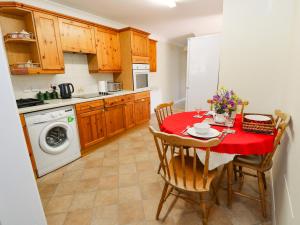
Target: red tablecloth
241,142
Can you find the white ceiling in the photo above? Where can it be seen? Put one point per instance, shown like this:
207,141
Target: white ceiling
189,18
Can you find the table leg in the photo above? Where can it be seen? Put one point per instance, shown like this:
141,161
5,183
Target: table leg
229,183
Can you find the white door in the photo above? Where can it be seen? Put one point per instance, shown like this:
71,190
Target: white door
203,59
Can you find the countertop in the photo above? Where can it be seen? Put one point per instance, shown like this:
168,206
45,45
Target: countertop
54,103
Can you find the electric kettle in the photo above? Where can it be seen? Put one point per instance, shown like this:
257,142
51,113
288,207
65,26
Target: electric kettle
66,90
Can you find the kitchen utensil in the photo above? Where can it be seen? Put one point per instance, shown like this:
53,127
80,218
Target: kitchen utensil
47,95
66,90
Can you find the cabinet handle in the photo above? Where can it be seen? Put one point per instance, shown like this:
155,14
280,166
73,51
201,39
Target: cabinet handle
143,100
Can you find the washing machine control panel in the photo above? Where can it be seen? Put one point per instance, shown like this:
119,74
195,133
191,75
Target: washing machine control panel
44,117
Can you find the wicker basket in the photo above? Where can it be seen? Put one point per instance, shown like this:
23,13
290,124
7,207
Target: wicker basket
267,127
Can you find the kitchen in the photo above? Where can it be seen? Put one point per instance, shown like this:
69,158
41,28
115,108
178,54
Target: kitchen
78,147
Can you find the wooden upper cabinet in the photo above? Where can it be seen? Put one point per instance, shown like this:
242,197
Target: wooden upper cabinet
108,56
77,37
49,43
152,55
140,44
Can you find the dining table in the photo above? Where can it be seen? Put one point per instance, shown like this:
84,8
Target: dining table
239,142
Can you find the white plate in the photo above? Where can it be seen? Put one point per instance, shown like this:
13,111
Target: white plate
259,118
210,134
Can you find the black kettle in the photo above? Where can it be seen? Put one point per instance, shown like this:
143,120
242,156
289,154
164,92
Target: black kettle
66,90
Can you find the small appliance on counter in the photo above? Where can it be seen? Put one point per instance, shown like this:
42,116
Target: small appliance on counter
109,86
66,90
28,102
114,86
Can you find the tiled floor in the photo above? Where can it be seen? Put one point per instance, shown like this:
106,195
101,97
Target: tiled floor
118,184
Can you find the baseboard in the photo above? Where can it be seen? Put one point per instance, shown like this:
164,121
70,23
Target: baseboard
179,101
273,199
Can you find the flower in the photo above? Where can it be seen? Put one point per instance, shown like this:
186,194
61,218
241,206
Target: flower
225,101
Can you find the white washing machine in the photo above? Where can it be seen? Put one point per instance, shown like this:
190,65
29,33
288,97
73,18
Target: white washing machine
54,138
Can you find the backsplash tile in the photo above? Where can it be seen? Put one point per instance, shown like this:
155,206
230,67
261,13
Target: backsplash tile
76,72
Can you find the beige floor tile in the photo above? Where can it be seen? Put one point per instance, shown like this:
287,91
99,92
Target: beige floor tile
127,168
59,204
126,180
92,173
66,188
93,163
126,159
87,185
131,212
79,217
76,165
146,165
147,177
47,190
110,170
151,190
45,202
83,201
110,161
107,197
108,182
127,194
107,215
56,219
73,175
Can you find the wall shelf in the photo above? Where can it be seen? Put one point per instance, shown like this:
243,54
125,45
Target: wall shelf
19,40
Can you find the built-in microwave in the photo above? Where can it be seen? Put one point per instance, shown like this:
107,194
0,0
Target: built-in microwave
140,74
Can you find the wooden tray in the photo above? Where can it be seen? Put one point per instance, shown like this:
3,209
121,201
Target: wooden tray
211,121
257,126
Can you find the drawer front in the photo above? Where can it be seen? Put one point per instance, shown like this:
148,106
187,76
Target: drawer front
118,100
89,106
142,95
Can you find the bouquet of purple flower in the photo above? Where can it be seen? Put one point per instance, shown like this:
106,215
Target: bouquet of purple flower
225,101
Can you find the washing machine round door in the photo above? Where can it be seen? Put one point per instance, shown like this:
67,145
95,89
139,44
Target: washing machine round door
56,138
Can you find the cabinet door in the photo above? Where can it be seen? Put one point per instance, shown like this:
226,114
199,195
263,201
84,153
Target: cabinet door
108,50
91,128
29,148
129,114
114,118
49,43
140,45
142,110
152,55
77,37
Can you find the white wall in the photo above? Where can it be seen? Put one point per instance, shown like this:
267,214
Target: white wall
260,60
255,35
168,82
76,72
20,201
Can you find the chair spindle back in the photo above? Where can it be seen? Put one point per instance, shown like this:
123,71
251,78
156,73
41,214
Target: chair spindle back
175,167
162,111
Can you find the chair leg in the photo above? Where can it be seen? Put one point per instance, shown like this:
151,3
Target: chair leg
262,194
162,200
264,180
235,172
204,209
229,184
240,171
159,168
215,194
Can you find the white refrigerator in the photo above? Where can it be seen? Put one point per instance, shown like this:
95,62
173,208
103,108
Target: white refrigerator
203,59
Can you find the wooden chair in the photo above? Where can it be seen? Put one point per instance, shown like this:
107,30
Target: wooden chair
241,107
260,164
162,111
184,172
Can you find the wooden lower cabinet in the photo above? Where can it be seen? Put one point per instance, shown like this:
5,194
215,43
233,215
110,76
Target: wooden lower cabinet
100,119
142,110
91,127
29,148
114,118
129,114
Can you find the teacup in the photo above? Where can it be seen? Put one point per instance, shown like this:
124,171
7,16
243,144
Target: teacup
201,128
